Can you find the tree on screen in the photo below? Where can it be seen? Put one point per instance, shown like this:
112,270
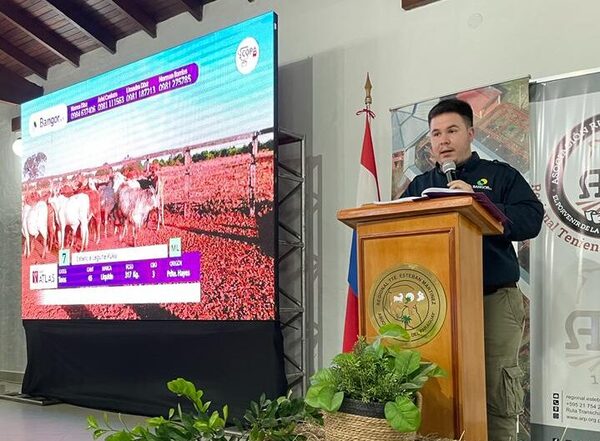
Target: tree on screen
35,166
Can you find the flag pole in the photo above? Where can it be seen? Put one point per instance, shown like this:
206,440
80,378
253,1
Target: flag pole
367,148
367,192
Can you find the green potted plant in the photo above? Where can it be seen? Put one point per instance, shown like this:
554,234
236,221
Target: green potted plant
372,392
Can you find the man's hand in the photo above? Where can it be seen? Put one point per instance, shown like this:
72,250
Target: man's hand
460,185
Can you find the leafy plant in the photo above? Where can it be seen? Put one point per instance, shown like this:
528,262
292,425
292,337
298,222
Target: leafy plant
376,373
201,424
277,420
267,420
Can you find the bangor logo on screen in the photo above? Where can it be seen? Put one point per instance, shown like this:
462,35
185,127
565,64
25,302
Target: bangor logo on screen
573,179
48,120
247,55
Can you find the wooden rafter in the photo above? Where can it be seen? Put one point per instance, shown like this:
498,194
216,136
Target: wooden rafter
15,124
195,7
86,23
38,34
23,58
412,4
15,89
36,29
147,23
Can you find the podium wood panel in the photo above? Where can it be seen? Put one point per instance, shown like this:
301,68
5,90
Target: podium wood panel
443,236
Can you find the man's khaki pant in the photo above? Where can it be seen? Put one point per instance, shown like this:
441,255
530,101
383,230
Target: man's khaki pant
504,315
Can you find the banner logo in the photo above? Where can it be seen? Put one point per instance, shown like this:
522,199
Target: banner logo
412,296
573,178
583,333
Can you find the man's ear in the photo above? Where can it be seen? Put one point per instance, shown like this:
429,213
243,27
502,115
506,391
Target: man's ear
471,133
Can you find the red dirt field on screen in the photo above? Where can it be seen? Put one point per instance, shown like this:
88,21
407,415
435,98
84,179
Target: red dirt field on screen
209,204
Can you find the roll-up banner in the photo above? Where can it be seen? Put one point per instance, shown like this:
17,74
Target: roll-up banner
565,260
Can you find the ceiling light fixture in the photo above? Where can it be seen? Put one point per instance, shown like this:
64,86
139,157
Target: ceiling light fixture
17,146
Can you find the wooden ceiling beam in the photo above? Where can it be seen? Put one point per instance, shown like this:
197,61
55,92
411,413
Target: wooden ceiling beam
87,23
194,7
412,4
147,23
23,58
36,29
16,89
15,124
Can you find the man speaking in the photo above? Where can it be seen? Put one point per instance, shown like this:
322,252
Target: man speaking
451,132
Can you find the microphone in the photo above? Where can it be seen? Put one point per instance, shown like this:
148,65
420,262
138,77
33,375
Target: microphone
449,169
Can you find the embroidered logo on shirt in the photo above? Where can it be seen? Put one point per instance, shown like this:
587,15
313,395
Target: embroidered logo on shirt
482,184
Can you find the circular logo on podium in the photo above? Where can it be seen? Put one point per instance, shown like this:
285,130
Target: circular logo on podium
411,296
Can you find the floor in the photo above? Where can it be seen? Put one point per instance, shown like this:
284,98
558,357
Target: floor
58,422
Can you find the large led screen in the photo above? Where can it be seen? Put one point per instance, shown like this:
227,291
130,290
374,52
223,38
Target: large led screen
148,191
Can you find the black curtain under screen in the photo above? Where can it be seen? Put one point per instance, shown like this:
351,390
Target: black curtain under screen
124,365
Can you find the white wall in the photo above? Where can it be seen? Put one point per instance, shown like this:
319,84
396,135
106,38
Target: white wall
411,56
12,336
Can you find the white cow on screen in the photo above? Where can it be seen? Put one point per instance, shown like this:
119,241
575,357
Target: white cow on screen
34,222
73,211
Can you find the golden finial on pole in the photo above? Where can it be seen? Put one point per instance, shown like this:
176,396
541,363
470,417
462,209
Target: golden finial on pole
368,100
368,87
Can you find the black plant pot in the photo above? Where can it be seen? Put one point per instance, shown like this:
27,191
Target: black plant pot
357,407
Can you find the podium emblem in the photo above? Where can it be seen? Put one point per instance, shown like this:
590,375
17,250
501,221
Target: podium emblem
411,296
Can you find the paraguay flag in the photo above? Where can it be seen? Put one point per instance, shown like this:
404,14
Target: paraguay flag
368,191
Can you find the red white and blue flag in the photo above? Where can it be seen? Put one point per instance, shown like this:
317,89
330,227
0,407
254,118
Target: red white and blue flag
368,191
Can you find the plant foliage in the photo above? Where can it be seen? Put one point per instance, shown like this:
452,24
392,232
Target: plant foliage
201,424
277,420
376,373
267,420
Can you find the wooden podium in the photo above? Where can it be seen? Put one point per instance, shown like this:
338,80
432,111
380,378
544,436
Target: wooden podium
420,265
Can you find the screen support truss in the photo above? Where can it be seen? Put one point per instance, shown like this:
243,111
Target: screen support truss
293,301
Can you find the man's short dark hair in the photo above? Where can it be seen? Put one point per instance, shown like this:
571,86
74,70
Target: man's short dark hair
452,105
